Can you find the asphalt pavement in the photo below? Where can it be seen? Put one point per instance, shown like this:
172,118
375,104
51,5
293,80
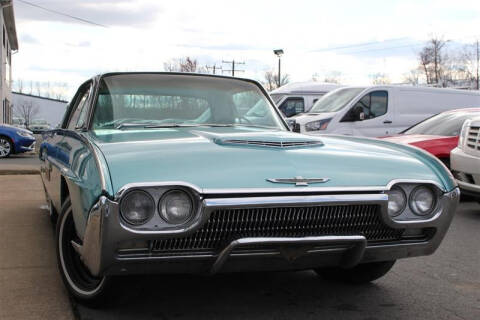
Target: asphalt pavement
445,285
30,285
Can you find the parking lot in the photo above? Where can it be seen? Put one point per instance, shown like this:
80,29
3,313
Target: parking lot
445,285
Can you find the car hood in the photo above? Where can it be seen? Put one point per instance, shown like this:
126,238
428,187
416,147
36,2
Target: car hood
10,128
208,159
304,118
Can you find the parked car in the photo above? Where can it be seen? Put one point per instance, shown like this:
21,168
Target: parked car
39,125
379,110
465,158
159,172
18,122
15,140
298,97
439,134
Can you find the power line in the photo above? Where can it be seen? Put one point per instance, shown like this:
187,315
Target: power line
214,68
62,14
234,63
364,44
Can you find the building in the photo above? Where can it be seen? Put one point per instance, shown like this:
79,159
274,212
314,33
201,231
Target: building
9,44
36,107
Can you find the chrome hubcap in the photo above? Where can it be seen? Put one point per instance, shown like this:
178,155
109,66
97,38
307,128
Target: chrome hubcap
4,148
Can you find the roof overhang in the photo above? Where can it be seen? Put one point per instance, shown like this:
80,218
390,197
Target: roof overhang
9,18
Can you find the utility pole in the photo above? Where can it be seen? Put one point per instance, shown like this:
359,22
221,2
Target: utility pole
233,62
214,68
279,53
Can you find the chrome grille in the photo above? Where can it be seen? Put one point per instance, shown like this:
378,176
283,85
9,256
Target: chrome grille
473,138
273,144
226,225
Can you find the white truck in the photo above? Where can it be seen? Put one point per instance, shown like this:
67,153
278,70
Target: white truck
465,159
379,110
298,97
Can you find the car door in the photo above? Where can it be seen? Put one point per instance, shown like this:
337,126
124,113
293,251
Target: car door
370,115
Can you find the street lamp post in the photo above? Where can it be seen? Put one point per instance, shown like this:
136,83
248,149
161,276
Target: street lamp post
279,53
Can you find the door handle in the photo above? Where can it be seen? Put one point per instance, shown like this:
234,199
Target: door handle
387,121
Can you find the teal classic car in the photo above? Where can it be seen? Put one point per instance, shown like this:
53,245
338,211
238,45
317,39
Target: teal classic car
172,173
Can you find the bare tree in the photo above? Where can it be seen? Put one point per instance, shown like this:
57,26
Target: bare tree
171,65
380,78
185,64
333,77
412,77
271,80
433,60
26,110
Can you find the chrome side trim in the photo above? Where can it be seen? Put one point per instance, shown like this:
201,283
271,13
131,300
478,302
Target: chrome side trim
351,257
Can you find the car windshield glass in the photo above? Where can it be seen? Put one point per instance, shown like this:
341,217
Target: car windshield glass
146,101
443,124
335,100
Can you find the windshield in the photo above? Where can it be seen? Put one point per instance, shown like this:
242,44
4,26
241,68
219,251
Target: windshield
162,100
335,100
443,124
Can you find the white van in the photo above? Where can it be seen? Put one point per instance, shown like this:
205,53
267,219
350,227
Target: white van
379,110
298,97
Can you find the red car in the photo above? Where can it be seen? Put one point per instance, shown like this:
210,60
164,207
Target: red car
438,134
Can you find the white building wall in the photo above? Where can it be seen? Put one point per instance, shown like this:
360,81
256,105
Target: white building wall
51,110
5,74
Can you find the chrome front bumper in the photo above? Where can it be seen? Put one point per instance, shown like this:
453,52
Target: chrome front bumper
105,232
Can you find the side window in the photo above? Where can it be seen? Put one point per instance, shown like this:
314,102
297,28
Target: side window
372,105
79,113
292,106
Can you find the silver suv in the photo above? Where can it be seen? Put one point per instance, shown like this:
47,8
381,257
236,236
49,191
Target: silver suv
465,158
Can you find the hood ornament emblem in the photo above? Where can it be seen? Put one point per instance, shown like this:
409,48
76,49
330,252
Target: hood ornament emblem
299,181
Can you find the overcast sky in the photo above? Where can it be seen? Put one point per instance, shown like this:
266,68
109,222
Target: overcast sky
380,36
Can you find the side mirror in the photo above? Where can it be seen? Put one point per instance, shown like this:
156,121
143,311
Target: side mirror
361,116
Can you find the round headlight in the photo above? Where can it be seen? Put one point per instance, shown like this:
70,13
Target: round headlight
137,207
397,201
422,201
176,207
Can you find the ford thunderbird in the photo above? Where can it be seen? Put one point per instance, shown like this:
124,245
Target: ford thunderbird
188,173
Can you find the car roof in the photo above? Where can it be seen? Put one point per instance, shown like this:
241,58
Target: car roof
308,86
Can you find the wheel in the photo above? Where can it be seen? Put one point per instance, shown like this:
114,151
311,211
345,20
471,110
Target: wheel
79,281
362,273
6,147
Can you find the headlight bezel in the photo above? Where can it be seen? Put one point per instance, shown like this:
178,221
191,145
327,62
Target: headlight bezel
140,222
410,214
